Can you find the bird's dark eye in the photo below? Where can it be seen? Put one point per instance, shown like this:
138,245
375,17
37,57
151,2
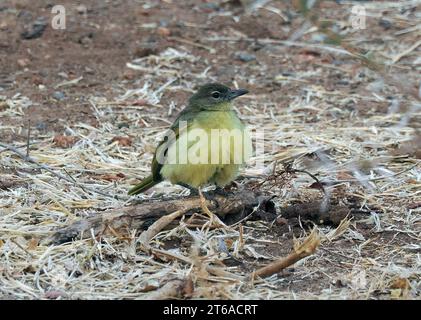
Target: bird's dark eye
216,94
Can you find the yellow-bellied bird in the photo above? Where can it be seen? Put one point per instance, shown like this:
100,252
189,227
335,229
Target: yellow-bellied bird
207,143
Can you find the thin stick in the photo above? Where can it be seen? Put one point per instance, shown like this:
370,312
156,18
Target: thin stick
308,247
28,138
312,176
194,44
213,218
156,227
407,51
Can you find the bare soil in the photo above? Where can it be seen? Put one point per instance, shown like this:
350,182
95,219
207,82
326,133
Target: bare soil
368,261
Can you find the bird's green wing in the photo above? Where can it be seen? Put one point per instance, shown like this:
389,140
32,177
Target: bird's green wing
171,137
161,152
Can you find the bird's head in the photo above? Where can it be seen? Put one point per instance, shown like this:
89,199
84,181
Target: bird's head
215,96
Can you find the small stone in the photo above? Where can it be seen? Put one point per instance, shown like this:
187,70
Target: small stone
3,25
58,95
81,9
123,125
318,37
342,82
386,24
211,5
41,126
244,56
64,75
23,63
163,23
89,70
36,30
86,39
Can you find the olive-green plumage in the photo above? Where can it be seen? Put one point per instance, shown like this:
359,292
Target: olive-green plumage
209,108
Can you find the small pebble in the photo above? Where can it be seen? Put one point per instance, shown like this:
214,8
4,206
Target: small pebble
342,82
318,37
41,126
58,95
81,9
23,62
36,30
386,24
64,75
123,125
163,23
244,56
3,25
89,70
211,5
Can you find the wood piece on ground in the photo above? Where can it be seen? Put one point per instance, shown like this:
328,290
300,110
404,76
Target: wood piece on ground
139,216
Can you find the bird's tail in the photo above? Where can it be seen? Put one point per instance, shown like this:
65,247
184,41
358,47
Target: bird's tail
146,183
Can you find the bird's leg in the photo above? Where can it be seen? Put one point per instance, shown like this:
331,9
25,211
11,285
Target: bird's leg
193,191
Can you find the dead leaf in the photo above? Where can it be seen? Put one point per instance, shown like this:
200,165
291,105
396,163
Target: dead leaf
3,105
400,283
64,141
164,32
32,244
399,288
122,141
188,288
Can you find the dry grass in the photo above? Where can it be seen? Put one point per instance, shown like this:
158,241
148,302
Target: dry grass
339,135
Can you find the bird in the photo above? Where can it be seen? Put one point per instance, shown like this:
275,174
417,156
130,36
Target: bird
207,128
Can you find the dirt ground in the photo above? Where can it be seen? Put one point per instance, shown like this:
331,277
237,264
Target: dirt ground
97,96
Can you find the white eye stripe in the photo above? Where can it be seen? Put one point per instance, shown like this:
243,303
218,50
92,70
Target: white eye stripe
216,94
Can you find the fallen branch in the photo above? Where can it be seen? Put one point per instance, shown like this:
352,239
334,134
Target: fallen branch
231,208
306,248
317,211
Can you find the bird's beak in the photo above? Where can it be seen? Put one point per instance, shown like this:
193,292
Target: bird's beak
236,93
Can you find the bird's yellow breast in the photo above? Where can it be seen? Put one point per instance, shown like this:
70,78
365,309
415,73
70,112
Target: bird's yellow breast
211,150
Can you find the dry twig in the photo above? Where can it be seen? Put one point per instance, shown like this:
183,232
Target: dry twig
306,248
